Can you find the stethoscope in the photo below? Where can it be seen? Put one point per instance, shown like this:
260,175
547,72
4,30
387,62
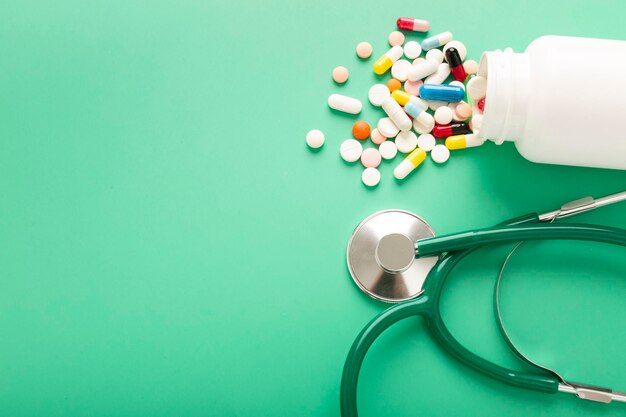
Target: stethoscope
394,256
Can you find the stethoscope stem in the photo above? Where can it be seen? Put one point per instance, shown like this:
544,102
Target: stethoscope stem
591,393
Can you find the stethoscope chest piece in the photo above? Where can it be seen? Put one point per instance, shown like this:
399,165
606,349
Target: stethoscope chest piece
381,255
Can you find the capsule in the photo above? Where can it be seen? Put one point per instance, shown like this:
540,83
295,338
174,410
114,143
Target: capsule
443,70
420,115
416,25
436,41
344,103
412,161
396,114
480,104
463,141
422,69
386,61
444,131
456,64
442,92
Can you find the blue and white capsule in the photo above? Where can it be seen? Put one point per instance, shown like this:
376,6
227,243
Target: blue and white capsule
436,41
442,92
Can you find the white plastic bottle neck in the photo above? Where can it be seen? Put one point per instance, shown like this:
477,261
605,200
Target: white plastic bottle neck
506,105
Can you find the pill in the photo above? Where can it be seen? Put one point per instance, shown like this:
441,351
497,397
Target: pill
459,46
386,61
442,92
400,68
315,138
477,87
412,161
456,64
440,154
480,104
464,141
435,55
443,115
370,177
413,87
377,137
436,41
416,25
370,158
406,141
402,97
418,60
412,49
361,130
426,141
421,127
476,123
422,69
377,94
471,66
462,111
443,131
443,70
364,50
414,109
396,38
393,85
340,75
387,128
344,104
458,84
388,150
396,114
350,150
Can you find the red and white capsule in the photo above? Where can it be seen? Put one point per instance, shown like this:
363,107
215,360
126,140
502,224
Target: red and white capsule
416,25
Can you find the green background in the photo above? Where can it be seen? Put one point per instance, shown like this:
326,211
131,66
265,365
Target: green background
171,247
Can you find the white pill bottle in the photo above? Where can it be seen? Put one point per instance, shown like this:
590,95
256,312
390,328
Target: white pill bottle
562,101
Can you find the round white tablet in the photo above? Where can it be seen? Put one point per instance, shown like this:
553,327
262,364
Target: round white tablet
443,115
477,87
412,49
315,138
426,141
400,70
440,154
387,128
406,141
370,177
388,150
434,104
435,55
460,47
351,150
378,93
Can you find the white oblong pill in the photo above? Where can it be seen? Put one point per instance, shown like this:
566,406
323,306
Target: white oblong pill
396,114
370,177
422,69
421,127
315,138
477,87
440,154
406,141
344,104
387,128
435,55
443,115
443,71
400,69
412,49
388,150
378,93
460,47
351,150
426,141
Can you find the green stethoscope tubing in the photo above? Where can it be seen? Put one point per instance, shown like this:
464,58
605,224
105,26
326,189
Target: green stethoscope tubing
454,248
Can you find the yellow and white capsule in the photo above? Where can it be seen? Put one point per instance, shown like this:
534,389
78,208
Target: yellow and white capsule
386,61
412,161
464,141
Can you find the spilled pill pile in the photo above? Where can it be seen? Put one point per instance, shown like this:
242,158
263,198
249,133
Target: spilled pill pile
424,101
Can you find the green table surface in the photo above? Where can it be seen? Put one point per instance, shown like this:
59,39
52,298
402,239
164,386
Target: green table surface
171,247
